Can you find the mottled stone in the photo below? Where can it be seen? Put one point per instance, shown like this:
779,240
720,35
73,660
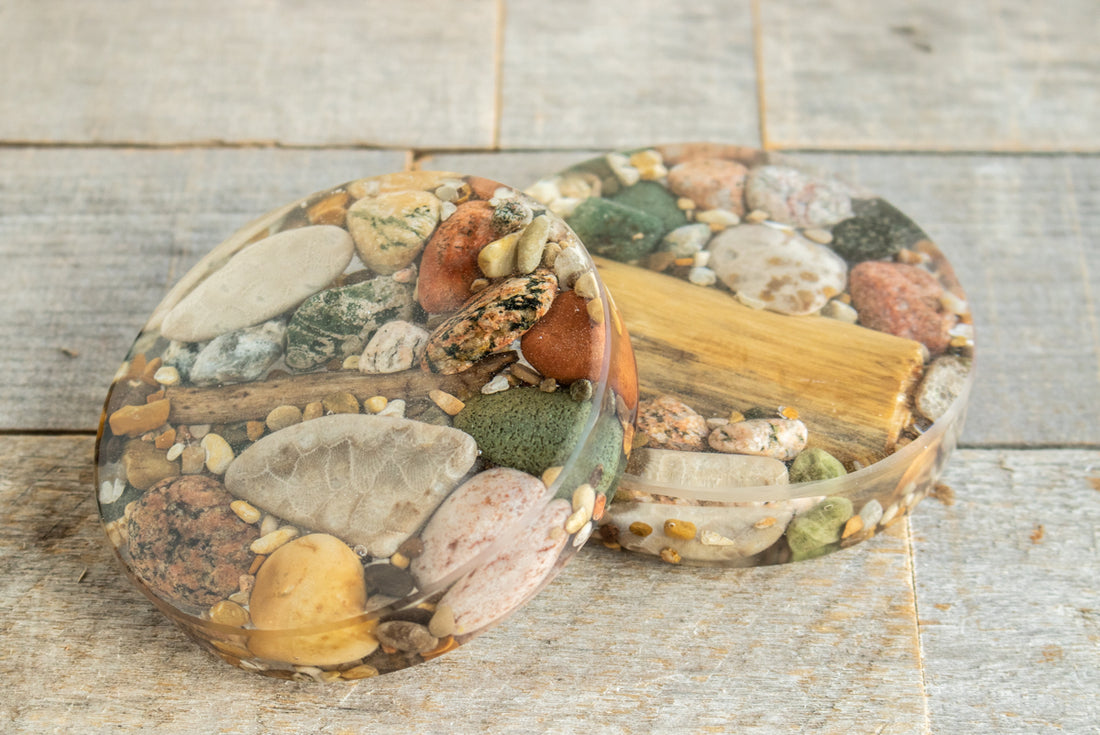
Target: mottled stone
795,197
815,531
943,382
388,580
565,344
396,346
449,264
181,356
390,230
405,635
840,311
241,356
260,282
614,230
165,524
505,582
781,439
669,423
511,215
902,300
705,469
777,270
879,230
687,240
339,322
304,584
368,479
653,199
490,322
815,464
712,183
472,518
145,465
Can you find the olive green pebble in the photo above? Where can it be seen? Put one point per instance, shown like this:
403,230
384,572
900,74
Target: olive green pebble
652,198
603,464
524,428
820,526
815,464
614,230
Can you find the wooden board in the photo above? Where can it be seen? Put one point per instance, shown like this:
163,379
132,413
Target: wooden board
318,73
941,75
625,73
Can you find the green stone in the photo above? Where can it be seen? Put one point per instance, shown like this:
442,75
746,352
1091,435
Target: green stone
815,464
820,526
338,322
652,198
601,462
614,230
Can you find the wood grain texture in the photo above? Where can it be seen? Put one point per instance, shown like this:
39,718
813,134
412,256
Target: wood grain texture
940,75
624,73
317,73
618,643
1008,590
91,240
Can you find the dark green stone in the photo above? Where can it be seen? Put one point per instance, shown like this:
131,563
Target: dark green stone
615,231
815,464
602,461
652,198
879,230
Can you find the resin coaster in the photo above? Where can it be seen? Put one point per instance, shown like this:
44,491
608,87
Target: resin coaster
367,427
804,351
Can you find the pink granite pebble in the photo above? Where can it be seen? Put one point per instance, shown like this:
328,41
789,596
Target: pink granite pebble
669,423
712,183
903,300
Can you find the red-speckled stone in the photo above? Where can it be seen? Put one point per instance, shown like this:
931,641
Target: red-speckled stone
672,424
903,300
565,344
711,183
449,263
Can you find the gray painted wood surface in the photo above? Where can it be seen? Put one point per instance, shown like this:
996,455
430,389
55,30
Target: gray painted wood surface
974,617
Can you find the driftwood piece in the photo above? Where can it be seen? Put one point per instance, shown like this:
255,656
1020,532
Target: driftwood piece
849,384
253,401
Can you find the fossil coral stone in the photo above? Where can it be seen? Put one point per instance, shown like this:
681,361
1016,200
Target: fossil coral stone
369,480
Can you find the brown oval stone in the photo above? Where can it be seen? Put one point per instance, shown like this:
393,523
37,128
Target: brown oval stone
449,263
565,344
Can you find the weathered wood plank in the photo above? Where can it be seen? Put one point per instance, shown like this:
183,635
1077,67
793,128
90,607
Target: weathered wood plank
627,73
91,240
318,73
618,643
1008,593
941,75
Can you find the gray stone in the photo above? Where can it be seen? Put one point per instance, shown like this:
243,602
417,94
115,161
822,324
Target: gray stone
797,198
686,241
704,469
943,383
241,356
396,346
181,356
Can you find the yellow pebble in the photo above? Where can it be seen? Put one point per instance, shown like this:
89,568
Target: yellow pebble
736,417
254,429
374,404
595,310
550,474
167,375
853,526
399,560
576,521
641,529
675,528
766,522
670,555
340,402
685,204
312,411
219,455
281,417
448,403
584,498
245,511
228,613
587,286
351,362
788,412
362,671
275,539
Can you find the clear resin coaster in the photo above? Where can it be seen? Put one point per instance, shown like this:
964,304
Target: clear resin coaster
804,351
367,427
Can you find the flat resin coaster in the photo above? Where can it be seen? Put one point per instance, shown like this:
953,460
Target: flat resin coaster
367,427
804,351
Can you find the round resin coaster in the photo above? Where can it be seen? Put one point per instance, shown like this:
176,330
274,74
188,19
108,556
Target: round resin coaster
368,426
804,351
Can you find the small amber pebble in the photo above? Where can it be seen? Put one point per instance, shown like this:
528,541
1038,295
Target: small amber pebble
670,555
165,440
229,613
853,526
362,671
680,529
641,529
445,645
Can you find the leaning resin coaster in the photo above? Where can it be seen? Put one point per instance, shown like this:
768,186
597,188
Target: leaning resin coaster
804,351
367,427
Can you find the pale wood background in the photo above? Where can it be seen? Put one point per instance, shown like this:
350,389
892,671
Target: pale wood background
135,137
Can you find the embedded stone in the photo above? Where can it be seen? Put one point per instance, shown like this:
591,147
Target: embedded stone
705,469
815,464
449,264
654,199
669,423
368,479
145,465
405,635
615,230
815,530
565,344
796,197
241,356
943,383
781,439
712,183
396,346
903,300
391,229
260,282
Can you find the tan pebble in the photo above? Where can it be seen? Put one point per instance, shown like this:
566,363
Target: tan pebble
584,498
340,402
649,164
685,204
406,274
788,412
548,385
583,535
595,310
374,404
531,243
219,455
313,410
362,671
448,403
479,285
576,521
587,286
526,374
136,420
714,423
399,560
756,216
718,219
198,431
909,257
711,538
396,407
853,526
174,452
765,522
241,598
670,555
257,562
550,474
445,645
192,460
550,254
448,192
269,524
228,613
269,542
442,623
245,511
165,439
167,375
254,429
332,210
641,529
351,362
283,416
822,237
675,528
498,258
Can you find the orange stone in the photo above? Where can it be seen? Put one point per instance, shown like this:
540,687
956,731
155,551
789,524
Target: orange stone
565,344
482,188
449,265
624,371
136,420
